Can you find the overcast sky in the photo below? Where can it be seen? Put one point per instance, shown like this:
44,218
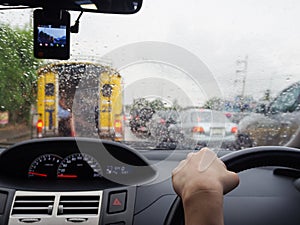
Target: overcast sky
218,33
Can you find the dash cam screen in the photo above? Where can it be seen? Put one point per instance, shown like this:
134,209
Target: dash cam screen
52,36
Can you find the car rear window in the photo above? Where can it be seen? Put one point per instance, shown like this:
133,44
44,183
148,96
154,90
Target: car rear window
204,117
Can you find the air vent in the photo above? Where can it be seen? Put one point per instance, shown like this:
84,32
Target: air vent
78,205
33,205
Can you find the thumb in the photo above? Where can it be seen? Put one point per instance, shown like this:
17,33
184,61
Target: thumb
230,182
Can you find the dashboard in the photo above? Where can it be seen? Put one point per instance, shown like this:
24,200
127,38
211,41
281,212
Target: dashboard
81,159
88,181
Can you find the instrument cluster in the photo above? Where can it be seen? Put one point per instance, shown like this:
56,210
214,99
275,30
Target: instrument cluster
73,166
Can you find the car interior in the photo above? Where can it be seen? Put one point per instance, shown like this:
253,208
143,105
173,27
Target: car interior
85,180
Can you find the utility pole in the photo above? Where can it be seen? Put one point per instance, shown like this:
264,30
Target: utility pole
241,74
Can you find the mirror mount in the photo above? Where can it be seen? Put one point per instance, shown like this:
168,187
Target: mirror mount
75,28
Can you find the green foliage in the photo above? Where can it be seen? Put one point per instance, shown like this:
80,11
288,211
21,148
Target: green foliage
17,72
214,103
156,105
140,103
175,106
237,104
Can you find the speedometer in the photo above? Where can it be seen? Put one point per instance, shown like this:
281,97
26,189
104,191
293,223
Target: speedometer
44,166
79,166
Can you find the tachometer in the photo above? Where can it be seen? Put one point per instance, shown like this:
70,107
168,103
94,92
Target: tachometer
79,166
45,166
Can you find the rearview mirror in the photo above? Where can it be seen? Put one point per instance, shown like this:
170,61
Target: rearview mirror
113,6
99,6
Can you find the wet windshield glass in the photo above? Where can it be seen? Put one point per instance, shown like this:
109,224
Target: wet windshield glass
145,79
207,117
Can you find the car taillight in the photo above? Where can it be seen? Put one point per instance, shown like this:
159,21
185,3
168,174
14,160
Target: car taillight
162,121
39,124
39,128
234,130
198,130
228,115
118,126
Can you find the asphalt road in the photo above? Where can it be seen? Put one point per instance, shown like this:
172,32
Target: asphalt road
12,134
129,136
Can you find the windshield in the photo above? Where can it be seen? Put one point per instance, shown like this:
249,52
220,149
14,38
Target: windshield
143,79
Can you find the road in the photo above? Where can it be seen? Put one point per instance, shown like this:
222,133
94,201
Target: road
129,136
12,134
137,142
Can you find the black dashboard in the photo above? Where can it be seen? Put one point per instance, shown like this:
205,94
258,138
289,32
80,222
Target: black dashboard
88,181
82,160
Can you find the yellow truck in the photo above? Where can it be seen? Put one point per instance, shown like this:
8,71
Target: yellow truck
91,93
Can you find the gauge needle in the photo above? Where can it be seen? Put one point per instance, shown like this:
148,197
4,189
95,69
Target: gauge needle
37,174
66,176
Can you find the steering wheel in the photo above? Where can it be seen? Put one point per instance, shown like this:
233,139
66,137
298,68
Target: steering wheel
242,160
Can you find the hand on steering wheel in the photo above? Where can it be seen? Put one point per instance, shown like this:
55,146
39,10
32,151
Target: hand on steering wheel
237,161
203,171
200,181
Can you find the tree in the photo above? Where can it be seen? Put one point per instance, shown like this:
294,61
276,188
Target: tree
175,106
140,103
157,105
17,72
214,103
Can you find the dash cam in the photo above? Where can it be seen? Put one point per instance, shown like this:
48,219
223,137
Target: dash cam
51,34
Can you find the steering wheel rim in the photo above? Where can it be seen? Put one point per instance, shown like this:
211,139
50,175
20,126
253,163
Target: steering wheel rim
242,160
